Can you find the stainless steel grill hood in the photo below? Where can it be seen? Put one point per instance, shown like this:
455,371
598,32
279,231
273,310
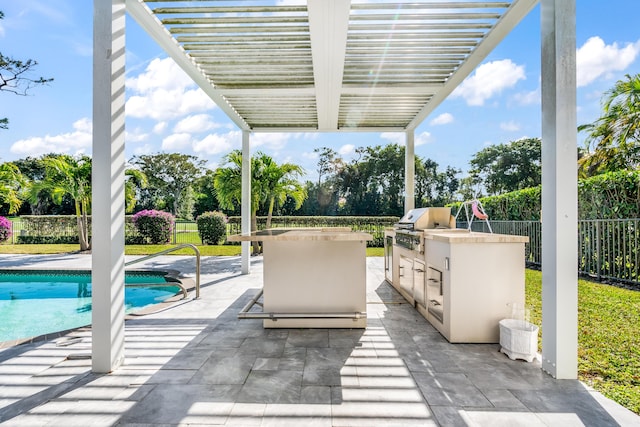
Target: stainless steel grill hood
425,218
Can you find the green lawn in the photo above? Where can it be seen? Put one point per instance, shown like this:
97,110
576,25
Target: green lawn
608,338
608,317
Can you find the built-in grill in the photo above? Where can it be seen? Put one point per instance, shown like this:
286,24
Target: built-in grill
410,229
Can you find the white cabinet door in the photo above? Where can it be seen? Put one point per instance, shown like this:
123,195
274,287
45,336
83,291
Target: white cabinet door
419,291
406,277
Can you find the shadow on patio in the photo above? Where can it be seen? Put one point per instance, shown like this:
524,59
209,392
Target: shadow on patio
198,364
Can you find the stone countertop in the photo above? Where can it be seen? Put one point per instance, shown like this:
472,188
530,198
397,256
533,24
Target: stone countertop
457,236
293,234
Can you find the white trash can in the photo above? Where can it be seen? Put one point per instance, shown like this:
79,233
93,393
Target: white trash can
519,339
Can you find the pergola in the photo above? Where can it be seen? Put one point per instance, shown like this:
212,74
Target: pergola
334,66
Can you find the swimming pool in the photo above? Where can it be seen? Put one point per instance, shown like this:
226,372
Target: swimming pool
39,302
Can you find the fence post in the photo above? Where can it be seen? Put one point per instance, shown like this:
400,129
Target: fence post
598,254
175,232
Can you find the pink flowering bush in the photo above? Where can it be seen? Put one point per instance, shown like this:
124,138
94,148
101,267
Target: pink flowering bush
155,227
5,229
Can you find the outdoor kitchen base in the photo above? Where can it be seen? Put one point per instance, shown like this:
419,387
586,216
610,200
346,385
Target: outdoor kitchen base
312,279
319,278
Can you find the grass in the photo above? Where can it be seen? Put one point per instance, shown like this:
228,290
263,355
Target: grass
608,338
608,317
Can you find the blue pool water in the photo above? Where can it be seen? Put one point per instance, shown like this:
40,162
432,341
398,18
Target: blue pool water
35,303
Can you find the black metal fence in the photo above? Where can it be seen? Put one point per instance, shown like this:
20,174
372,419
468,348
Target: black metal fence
608,249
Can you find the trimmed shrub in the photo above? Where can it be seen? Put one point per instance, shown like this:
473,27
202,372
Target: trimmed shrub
613,195
212,227
154,227
5,229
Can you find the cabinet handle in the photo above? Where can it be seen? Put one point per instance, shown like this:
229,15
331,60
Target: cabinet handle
419,270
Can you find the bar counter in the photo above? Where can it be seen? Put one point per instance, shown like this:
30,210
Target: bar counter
313,277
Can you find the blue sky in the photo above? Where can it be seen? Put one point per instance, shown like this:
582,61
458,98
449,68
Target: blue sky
498,103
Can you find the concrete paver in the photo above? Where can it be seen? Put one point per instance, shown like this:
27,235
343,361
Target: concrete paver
196,363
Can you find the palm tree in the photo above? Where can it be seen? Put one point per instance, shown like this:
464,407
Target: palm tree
12,182
279,182
615,136
227,182
270,183
66,175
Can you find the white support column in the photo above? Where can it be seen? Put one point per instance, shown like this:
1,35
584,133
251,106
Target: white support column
559,190
245,205
108,185
409,171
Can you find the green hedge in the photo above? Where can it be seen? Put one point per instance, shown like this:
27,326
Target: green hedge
48,229
614,195
368,224
63,228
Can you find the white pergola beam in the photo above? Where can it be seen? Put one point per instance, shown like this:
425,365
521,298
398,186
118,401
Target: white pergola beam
245,205
145,18
409,171
328,26
517,11
559,190
107,273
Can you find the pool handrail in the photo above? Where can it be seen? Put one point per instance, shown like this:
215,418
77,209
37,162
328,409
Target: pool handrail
169,250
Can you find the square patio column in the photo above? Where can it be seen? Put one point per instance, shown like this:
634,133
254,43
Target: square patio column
409,171
245,205
107,176
559,190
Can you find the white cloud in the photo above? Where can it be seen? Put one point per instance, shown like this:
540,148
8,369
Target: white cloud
311,155
195,124
164,92
76,142
273,141
160,127
442,119
422,139
216,143
510,126
489,79
394,137
347,149
160,74
176,142
595,59
143,149
137,135
528,98
400,138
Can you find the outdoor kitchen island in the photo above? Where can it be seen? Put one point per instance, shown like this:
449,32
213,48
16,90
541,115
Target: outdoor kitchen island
462,282
313,278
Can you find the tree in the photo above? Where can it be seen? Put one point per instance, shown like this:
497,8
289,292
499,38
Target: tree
508,167
279,182
206,200
269,183
613,140
135,180
14,77
12,182
170,176
67,175
227,182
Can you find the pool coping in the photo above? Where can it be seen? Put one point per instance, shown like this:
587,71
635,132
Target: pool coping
171,275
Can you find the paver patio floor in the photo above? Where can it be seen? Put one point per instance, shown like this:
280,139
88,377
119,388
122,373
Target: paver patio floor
196,363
